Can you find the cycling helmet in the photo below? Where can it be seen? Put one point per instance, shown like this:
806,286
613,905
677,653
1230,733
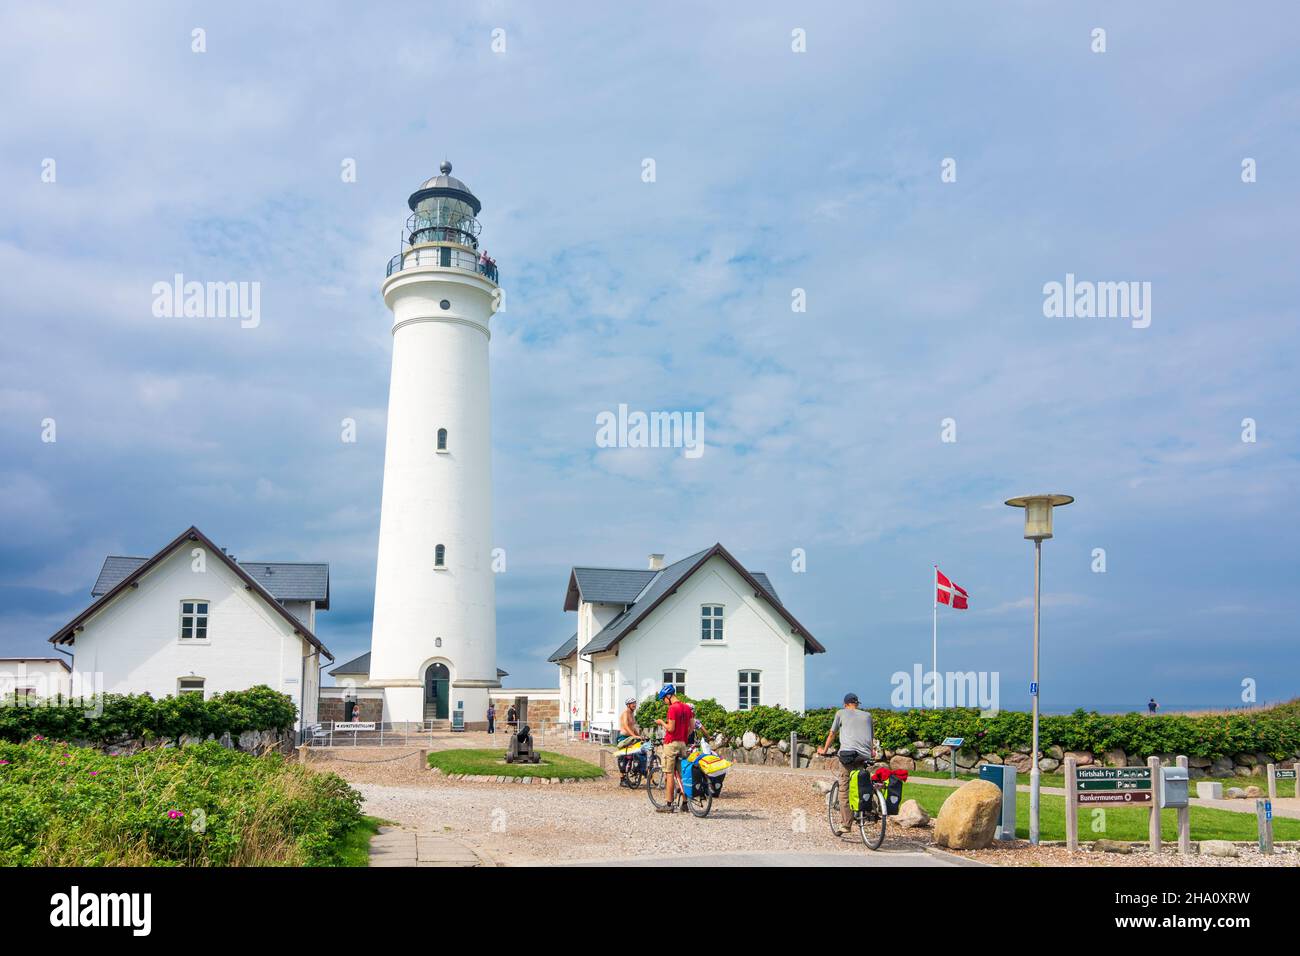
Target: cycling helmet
665,691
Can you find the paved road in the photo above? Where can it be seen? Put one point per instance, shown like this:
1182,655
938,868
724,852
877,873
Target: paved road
878,858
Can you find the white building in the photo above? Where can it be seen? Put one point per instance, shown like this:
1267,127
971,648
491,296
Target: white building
35,678
704,623
192,619
433,643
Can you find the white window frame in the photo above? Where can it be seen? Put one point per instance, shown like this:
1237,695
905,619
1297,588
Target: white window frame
714,622
677,677
201,690
194,617
748,701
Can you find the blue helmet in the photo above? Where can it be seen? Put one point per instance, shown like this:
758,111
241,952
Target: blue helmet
665,691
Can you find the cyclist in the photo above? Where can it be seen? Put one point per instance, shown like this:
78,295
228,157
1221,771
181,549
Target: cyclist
676,728
855,753
628,730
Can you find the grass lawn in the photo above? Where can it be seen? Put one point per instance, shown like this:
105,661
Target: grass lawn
1285,788
492,763
1122,823
354,849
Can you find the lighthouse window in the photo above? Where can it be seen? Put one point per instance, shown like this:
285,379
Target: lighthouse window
445,304
440,556
442,439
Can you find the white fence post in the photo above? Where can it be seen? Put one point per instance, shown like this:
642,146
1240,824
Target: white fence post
1071,804
1185,816
1153,763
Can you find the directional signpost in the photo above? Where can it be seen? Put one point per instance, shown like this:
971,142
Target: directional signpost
1274,775
1111,786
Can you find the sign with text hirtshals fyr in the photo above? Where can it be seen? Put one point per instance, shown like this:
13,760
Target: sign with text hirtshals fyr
1113,784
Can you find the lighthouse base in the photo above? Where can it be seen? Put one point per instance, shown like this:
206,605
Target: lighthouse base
410,708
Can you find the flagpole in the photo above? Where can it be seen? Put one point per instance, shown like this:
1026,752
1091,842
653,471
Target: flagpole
934,638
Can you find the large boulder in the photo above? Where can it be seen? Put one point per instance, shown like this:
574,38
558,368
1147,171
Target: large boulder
1048,764
967,759
902,763
1218,848
1021,762
750,740
1116,758
911,814
969,818
1221,767
1081,757
991,758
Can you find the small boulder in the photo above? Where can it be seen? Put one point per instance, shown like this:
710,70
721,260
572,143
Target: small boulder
1048,764
902,763
993,758
969,818
1221,767
1254,792
1111,846
1235,793
1116,758
1021,762
750,740
1082,758
911,814
1218,848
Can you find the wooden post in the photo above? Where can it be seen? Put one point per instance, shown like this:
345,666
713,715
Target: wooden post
1185,816
794,749
423,756
1272,781
1264,820
1153,764
1071,805
302,754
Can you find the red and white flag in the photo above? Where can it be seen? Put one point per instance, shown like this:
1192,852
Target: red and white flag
947,592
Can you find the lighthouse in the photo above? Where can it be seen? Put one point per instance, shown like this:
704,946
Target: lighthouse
433,643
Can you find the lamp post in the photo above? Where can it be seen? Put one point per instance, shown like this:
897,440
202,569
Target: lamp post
1038,525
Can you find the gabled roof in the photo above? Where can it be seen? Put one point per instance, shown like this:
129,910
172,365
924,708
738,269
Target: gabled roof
67,634
358,665
605,586
666,582
285,580
564,650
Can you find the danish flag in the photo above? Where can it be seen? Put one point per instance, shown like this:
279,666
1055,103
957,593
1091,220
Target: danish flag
946,592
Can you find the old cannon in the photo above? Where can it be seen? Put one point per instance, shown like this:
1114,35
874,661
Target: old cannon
520,749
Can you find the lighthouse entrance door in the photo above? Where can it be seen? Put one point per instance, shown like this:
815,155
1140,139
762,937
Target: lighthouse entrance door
437,687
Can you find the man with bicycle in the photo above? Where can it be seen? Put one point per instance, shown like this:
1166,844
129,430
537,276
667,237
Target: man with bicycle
676,728
856,748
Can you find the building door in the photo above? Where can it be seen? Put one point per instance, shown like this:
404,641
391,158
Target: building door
437,688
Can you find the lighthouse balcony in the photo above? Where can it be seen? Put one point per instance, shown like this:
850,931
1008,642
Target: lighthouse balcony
442,256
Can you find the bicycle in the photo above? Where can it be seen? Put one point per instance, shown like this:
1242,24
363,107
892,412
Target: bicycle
632,774
871,816
701,800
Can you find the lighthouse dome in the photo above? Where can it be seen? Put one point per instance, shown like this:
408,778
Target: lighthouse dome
445,185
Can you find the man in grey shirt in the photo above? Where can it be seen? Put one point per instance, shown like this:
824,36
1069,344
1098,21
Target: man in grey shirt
856,748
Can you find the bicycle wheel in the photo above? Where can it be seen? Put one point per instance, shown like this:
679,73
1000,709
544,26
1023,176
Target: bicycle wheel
633,775
871,822
701,801
654,782
833,809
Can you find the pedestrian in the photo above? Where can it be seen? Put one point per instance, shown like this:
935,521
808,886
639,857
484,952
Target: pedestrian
512,718
1152,705
492,717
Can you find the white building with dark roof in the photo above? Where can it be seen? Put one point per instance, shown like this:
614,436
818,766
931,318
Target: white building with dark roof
193,619
704,623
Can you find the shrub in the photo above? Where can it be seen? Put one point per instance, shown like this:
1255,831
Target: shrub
116,717
203,805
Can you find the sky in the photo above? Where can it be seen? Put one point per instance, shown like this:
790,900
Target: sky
775,170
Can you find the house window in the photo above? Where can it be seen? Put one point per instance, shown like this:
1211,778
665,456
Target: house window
194,620
190,685
440,556
677,679
749,685
442,439
711,622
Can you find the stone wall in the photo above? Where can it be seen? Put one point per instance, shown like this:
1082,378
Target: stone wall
250,741
922,755
538,710
332,710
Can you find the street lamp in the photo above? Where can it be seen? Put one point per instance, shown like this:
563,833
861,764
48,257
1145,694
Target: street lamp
1038,525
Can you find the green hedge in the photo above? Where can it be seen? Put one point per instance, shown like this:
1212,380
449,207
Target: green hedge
203,805
140,717
1275,731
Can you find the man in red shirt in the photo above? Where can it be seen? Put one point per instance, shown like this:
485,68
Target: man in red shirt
676,729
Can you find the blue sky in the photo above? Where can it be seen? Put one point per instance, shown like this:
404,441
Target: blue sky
775,170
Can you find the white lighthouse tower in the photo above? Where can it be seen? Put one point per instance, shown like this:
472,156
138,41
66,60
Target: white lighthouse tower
433,646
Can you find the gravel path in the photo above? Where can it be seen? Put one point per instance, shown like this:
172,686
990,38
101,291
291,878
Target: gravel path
546,824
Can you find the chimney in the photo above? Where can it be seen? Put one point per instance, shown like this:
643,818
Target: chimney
656,562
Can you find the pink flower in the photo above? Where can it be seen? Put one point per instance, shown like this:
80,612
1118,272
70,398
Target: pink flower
94,773
174,814
3,762
38,737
